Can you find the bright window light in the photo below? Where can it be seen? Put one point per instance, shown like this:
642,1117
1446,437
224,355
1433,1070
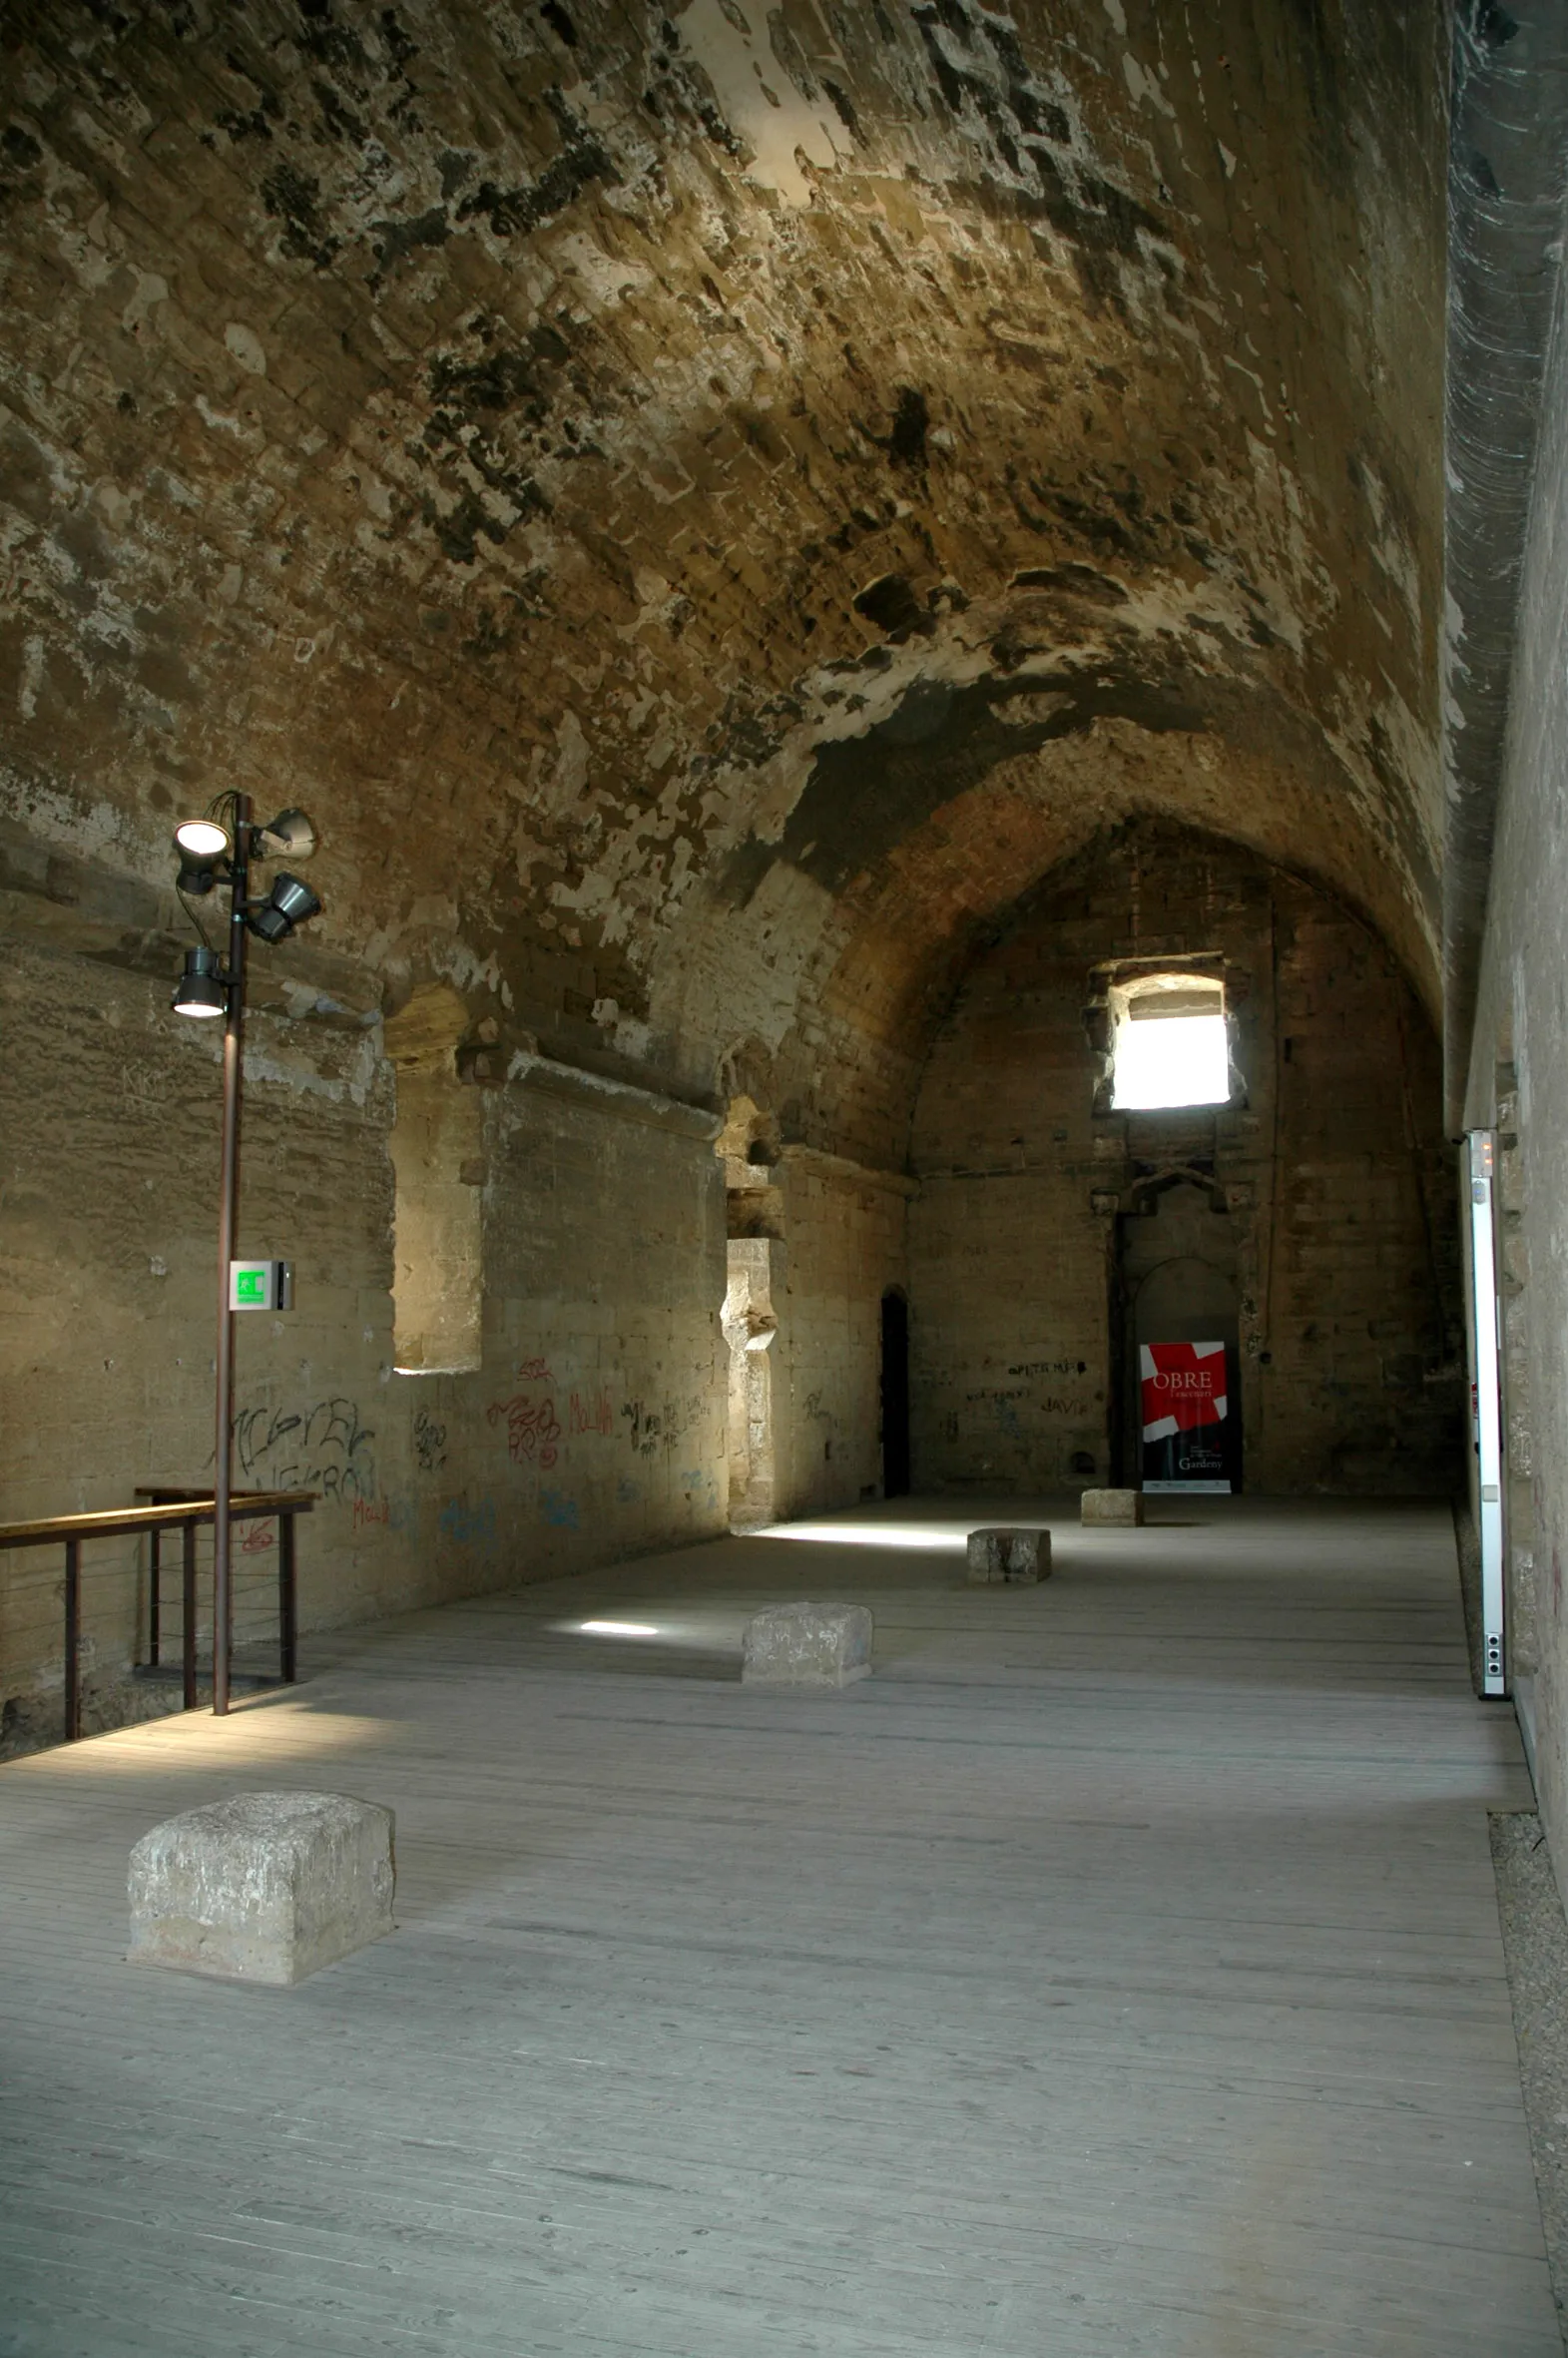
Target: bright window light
1171,1061
617,1628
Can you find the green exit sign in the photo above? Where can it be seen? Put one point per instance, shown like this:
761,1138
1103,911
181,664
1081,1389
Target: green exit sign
260,1285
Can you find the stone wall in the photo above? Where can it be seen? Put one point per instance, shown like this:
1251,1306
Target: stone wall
846,1231
1518,1083
591,1425
1330,1174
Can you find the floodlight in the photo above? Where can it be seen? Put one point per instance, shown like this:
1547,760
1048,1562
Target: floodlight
202,839
288,904
200,989
290,836
200,843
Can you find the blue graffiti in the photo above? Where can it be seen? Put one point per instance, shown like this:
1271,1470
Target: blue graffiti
557,1509
468,1527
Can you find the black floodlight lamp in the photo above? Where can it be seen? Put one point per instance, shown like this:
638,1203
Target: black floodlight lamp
290,836
201,989
288,904
200,843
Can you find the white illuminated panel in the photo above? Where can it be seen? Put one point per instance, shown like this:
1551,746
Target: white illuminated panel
1488,1405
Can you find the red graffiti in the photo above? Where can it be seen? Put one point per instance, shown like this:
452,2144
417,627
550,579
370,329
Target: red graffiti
535,1371
258,1535
368,1510
591,1414
532,1427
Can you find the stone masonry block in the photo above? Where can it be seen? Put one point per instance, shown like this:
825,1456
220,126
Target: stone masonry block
806,1645
1111,1509
265,1888
1011,1553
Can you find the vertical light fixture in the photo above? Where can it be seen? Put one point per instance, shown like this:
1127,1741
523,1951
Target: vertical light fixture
212,850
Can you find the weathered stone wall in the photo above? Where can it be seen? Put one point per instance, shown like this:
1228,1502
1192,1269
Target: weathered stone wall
846,1238
605,1277
593,1425
1334,1170
1518,1083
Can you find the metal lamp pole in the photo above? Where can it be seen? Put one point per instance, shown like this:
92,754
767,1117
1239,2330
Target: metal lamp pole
227,1222
212,850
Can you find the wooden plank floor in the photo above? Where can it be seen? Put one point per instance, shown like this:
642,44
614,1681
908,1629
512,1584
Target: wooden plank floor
1116,1973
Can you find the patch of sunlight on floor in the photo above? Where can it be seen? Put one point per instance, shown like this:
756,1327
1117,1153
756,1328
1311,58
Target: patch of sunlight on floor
712,1633
923,1536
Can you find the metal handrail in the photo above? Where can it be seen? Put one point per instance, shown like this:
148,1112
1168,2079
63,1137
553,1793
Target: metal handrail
184,1512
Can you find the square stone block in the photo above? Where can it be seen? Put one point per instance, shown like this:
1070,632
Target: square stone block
806,1645
1009,1551
265,1888
1111,1509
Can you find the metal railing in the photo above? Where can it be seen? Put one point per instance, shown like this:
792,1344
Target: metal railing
175,1511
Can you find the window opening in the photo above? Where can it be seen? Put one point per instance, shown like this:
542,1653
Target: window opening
437,1147
1169,1043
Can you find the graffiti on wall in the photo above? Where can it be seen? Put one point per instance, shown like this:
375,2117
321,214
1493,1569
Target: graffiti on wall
326,1449
701,1488
590,1413
468,1527
429,1441
533,1430
642,1426
388,1515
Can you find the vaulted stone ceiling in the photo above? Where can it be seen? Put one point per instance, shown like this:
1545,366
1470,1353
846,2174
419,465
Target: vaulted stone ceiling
706,508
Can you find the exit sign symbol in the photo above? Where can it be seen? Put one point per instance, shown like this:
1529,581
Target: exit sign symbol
260,1285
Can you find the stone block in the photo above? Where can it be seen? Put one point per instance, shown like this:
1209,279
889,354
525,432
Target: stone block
268,1886
806,1645
1009,1552
1111,1509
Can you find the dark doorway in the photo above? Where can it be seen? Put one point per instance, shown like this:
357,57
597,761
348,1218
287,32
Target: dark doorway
1175,1282
896,1397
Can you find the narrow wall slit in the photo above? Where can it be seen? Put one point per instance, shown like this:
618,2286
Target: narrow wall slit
749,1328
748,1150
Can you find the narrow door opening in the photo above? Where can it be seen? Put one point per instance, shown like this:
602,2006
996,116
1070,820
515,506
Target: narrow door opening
896,1397
1175,1289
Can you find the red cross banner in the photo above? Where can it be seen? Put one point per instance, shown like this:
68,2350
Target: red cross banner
1185,1407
